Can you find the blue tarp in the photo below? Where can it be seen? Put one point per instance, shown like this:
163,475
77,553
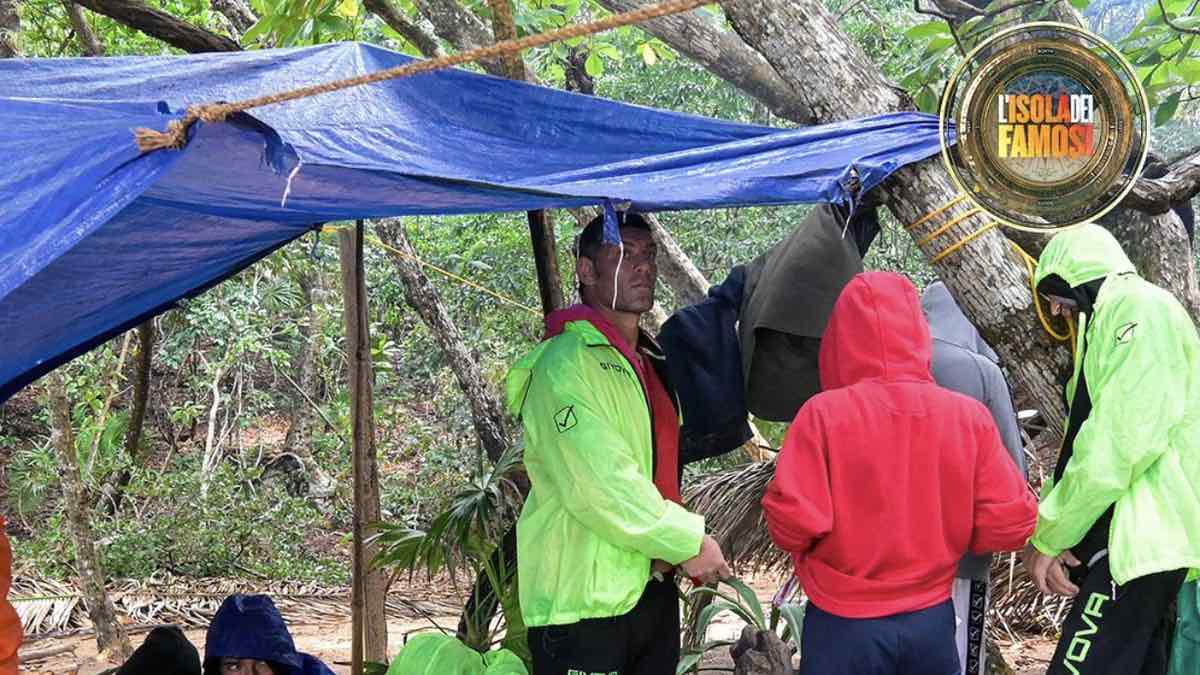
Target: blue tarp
96,237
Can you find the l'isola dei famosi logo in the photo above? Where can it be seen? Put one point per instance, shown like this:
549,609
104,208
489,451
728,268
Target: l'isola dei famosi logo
1044,126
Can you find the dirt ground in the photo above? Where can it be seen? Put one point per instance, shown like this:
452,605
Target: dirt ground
331,643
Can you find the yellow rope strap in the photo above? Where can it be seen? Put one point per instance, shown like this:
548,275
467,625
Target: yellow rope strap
176,133
1030,262
962,242
467,282
953,221
934,213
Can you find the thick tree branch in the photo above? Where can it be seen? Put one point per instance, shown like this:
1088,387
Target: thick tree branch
10,27
1156,195
457,25
161,25
777,30
726,55
239,14
416,35
88,41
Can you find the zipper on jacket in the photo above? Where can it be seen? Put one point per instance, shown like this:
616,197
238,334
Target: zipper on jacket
649,407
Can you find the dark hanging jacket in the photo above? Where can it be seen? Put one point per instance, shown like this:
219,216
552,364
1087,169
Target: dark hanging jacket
704,363
250,627
790,291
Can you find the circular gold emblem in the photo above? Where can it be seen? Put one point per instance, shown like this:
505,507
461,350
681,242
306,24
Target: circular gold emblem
1044,126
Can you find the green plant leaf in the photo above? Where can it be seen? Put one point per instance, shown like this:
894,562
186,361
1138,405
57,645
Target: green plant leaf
688,662
793,616
649,57
1080,4
939,44
1166,110
924,31
594,66
750,600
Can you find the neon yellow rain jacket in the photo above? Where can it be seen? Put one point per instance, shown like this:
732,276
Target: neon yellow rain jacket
437,654
1140,446
594,520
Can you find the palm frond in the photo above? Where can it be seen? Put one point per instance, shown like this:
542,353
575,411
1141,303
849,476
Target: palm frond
47,607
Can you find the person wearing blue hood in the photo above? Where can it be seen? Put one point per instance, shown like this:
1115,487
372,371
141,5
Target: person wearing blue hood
963,362
248,636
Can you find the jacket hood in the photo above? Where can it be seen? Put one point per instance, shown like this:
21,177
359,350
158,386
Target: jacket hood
1082,254
165,650
947,322
876,331
311,665
250,627
591,327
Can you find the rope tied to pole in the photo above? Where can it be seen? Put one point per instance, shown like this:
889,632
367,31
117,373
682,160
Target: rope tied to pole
175,135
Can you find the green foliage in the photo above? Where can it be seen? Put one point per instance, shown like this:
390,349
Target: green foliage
745,605
288,23
466,535
240,527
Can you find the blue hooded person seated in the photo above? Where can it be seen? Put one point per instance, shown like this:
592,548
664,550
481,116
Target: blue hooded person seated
248,636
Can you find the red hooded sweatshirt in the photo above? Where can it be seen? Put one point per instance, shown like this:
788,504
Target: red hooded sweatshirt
885,479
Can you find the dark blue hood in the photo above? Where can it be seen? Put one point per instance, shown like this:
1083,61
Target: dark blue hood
250,627
314,666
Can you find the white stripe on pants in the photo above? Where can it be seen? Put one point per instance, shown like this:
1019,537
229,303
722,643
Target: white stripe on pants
971,601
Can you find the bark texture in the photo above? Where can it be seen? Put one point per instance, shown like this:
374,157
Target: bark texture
676,268
457,25
110,634
241,17
89,42
370,583
420,38
10,28
701,39
161,25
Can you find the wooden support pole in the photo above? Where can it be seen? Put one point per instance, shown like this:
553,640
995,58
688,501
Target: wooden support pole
369,587
545,258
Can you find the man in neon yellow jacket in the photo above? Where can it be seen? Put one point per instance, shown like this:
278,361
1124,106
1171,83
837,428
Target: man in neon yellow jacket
1119,524
601,449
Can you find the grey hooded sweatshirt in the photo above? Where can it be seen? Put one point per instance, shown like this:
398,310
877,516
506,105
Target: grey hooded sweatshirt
963,362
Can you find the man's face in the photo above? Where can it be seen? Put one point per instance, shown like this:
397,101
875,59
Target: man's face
637,277
244,667
1064,307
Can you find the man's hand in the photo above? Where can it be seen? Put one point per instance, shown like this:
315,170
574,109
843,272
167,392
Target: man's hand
1050,574
709,564
659,569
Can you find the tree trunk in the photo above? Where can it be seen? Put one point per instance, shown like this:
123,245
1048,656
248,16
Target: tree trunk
504,28
457,25
110,634
113,490
10,28
370,584
701,39
298,440
487,414
676,268
88,41
802,40
241,17
545,260
416,35
159,24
